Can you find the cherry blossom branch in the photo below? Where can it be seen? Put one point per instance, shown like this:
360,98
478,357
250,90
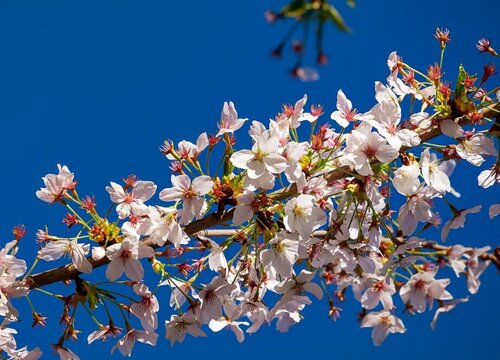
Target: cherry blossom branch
69,271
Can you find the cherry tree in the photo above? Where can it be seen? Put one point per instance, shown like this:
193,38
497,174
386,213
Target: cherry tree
251,235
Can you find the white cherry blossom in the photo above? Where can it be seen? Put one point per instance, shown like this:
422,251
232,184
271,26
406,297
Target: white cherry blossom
229,121
191,193
128,202
383,324
56,249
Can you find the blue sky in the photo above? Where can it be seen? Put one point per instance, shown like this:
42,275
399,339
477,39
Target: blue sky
97,85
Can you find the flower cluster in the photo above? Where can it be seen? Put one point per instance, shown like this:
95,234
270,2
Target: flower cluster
298,220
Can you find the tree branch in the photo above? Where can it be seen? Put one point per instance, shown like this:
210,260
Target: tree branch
69,272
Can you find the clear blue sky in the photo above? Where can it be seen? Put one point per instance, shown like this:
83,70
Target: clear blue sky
98,85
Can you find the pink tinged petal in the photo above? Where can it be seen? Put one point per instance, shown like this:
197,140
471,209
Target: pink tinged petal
408,137
45,195
494,210
98,252
370,320
116,192
171,194
451,128
134,269
418,300
123,210
275,163
343,104
147,337
314,289
386,300
202,185
379,334
445,231
241,158
256,168
115,269
182,182
240,336
370,299
202,142
440,181
242,213
79,260
143,190
53,250
340,118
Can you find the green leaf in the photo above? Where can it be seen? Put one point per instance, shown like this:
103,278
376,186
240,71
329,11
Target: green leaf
330,13
296,8
462,103
92,298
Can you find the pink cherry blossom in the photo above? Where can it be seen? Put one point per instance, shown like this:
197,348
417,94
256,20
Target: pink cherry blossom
229,121
363,146
191,194
422,289
345,113
302,216
262,162
383,324
56,185
282,254
127,202
380,290
125,258
56,249
126,344
179,326
146,308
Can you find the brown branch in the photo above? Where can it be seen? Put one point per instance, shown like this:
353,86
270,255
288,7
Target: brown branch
68,272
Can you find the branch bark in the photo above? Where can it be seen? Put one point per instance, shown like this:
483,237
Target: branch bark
69,272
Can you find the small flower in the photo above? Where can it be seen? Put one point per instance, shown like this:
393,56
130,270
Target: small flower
56,185
434,72
229,121
489,70
191,194
443,35
232,314
458,220
298,285
422,288
484,45
345,113
381,290
146,308
383,324
302,216
70,220
406,180
58,248
19,231
433,176
125,257
126,344
104,332
127,202
263,161
89,203
179,326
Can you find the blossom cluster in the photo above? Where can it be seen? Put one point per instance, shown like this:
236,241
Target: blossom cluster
297,220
